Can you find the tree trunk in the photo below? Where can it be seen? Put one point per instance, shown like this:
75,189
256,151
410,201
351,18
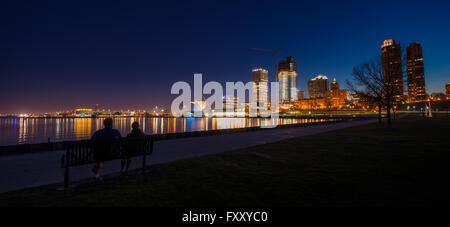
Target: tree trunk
379,113
388,110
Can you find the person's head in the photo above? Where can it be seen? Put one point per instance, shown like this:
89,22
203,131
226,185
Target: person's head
108,123
135,125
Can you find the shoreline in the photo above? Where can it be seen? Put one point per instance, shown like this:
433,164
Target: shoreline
311,116
9,150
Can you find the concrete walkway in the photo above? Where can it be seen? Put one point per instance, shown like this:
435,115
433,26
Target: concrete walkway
30,170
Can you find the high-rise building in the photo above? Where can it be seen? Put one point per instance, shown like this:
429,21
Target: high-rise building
334,85
287,77
318,87
300,94
447,89
415,72
391,57
260,77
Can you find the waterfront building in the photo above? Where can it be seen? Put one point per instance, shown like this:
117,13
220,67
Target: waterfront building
197,108
311,104
359,102
334,85
317,87
260,78
415,73
336,97
300,94
287,77
232,107
321,97
391,58
447,89
83,112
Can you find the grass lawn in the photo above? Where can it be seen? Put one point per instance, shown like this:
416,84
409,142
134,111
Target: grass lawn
370,165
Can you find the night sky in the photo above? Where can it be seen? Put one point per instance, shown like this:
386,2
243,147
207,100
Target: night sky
58,55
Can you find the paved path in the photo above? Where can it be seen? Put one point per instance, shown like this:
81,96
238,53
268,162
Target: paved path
30,170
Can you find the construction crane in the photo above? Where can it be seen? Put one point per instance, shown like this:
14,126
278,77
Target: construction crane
276,51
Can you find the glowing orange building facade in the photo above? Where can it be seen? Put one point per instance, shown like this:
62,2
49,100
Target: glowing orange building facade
332,99
311,104
337,98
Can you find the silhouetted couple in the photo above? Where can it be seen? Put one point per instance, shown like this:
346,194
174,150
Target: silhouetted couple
107,146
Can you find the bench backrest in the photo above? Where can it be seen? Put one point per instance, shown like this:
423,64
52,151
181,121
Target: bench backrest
87,152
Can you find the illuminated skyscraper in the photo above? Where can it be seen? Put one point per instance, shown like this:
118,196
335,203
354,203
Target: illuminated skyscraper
318,87
391,57
260,77
287,77
416,74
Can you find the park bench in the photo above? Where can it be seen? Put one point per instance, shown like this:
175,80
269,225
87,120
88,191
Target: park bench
85,152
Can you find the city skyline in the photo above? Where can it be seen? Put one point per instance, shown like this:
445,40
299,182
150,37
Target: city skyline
78,56
260,75
225,112
318,88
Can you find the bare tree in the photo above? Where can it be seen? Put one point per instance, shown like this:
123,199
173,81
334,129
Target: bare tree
368,77
377,83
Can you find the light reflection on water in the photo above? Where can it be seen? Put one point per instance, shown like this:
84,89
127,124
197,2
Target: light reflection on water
38,130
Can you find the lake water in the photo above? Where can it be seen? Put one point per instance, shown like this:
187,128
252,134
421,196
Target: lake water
38,130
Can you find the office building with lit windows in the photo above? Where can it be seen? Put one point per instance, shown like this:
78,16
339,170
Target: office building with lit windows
287,77
260,90
318,87
415,73
336,97
391,58
300,94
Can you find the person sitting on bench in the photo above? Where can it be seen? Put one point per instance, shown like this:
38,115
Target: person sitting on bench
135,145
105,143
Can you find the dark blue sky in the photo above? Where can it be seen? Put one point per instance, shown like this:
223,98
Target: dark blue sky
58,55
